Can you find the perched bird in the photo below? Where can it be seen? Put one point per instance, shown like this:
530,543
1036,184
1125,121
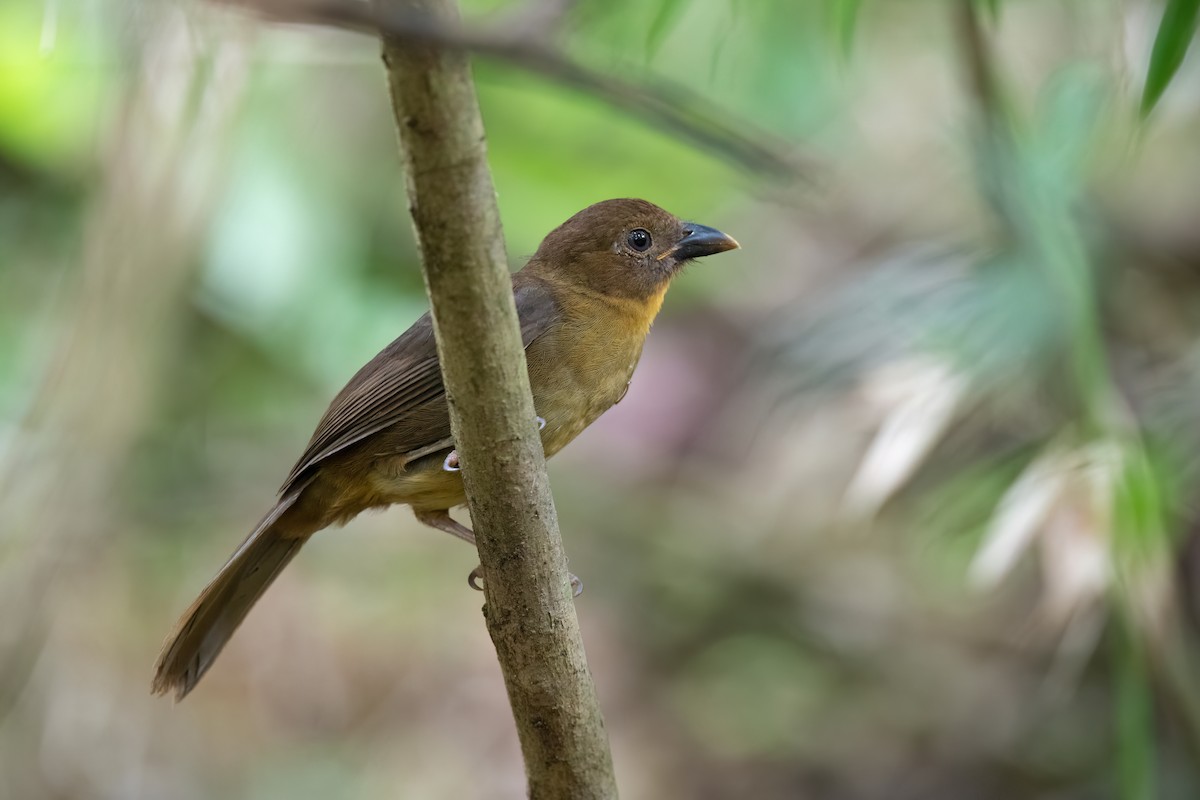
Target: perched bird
586,300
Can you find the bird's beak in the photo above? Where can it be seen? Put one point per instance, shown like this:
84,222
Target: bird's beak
700,240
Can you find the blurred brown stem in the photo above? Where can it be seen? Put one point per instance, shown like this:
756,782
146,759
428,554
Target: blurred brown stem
529,609
977,60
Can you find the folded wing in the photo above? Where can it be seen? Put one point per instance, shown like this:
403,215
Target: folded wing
402,388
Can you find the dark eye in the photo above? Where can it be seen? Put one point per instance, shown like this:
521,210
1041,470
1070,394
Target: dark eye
639,240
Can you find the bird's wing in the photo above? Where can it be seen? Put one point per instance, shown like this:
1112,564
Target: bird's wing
402,386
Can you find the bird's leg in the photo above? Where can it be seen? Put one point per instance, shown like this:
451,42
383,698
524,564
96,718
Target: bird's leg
442,521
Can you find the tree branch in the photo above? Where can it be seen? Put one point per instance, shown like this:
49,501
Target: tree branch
529,609
672,108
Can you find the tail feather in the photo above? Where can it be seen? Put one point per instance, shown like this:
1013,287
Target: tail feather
202,631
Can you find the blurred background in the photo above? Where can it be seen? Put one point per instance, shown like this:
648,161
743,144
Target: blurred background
900,503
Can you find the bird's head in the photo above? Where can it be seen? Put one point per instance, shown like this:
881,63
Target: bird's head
625,248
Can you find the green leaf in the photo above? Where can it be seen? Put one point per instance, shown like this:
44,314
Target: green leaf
667,14
1175,34
845,23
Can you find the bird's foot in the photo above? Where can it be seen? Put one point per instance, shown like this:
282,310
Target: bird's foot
451,463
473,580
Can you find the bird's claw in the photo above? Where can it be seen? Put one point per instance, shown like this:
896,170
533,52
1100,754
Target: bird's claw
473,580
451,463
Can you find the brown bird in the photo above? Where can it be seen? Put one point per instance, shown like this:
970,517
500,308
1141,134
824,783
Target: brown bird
585,300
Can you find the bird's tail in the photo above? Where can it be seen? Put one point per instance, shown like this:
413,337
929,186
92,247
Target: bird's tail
202,631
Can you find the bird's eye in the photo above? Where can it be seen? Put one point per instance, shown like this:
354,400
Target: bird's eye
639,240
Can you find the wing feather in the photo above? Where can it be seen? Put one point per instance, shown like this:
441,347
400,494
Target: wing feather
404,383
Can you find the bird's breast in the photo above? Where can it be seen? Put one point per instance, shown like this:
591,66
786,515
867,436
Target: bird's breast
578,374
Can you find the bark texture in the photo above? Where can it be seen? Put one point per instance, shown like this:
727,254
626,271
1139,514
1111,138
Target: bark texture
529,610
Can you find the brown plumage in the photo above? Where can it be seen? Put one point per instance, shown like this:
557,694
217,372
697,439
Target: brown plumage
585,300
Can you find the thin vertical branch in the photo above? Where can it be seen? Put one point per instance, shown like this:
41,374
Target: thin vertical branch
529,610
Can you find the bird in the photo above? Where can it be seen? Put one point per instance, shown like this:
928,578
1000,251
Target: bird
585,300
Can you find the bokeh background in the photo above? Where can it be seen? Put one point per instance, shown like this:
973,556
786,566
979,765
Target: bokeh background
901,503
